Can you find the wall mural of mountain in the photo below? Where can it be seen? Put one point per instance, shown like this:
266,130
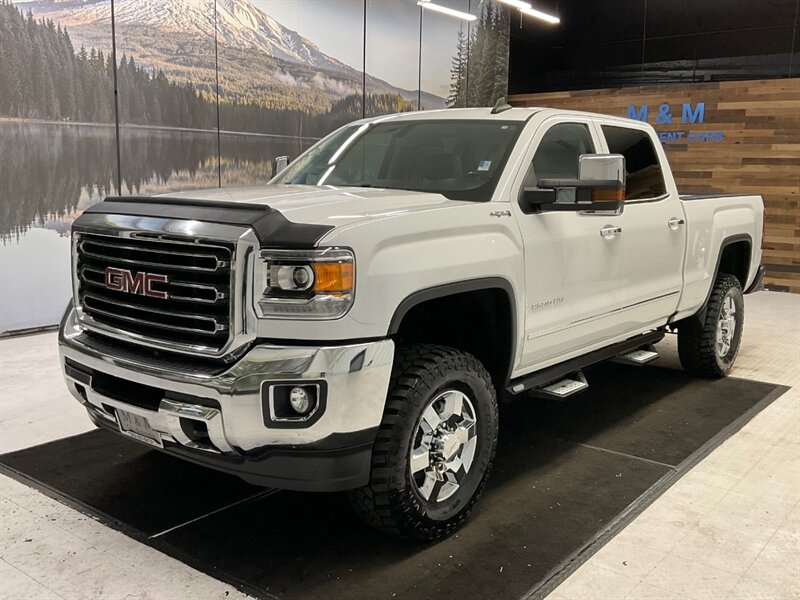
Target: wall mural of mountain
264,62
208,93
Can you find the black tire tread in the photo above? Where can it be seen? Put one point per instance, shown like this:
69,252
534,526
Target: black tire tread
378,503
697,337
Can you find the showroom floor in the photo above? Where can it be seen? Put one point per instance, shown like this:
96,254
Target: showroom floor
729,528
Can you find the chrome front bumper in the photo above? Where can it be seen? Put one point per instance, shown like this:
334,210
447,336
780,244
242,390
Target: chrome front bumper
230,403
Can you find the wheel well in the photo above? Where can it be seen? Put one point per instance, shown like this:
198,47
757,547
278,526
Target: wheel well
735,260
480,322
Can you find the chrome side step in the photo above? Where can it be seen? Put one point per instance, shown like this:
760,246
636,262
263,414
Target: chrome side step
564,388
636,358
546,376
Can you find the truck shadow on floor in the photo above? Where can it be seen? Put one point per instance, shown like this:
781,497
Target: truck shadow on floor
564,471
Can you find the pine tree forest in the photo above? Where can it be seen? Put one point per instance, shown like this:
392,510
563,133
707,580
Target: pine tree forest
46,78
479,72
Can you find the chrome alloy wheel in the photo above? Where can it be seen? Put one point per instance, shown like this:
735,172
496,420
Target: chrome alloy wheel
726,326
443,446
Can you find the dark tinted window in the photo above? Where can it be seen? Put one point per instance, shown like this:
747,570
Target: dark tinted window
644,177
460,159
615,43
559,152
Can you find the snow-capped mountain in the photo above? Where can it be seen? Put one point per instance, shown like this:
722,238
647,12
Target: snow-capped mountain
239,24
255,50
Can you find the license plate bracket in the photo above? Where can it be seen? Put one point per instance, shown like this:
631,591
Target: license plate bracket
138,428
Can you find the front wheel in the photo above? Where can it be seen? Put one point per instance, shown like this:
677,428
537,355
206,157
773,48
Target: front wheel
435,445
709,346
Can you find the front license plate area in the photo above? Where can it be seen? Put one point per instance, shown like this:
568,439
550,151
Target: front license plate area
138,428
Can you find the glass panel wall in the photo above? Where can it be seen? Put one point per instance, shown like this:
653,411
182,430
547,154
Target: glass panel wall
57,149
297,76
445,43
209,93
633,42
392,41
166,78
487,56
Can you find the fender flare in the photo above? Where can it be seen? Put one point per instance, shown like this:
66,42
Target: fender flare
460,287
728,241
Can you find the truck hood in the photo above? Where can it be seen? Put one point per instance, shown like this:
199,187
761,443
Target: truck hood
335,207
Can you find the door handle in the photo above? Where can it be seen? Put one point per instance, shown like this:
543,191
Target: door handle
674,223
610,231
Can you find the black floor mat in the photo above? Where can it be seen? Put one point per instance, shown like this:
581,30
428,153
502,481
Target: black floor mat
129,483
567,476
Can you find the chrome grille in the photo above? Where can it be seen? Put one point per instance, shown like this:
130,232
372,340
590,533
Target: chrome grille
188,304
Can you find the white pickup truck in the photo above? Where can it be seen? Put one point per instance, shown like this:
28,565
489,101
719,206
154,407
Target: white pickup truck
352,324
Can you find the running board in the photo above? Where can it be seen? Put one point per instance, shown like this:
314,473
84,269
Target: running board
565,388
637,358
558,372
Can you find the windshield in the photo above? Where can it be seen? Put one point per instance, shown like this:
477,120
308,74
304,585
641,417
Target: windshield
460,159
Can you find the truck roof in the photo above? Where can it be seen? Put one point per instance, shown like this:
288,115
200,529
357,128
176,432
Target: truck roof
510,114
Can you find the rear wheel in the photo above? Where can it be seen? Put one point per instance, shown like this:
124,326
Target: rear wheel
435,446
709,346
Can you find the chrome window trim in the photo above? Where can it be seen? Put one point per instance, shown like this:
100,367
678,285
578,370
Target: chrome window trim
658,198
242,318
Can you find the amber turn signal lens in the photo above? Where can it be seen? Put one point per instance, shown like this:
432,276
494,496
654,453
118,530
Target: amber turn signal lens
608,195
333,277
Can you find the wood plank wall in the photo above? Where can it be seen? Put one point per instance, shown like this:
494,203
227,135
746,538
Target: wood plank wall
760,152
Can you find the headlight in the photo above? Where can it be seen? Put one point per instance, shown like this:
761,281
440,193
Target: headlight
309,284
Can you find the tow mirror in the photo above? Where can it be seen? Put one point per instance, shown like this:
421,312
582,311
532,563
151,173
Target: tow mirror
600,186
535,196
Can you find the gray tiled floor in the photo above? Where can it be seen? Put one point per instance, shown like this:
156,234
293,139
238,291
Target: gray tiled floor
729,529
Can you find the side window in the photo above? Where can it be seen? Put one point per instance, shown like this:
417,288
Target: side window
644,176
558,153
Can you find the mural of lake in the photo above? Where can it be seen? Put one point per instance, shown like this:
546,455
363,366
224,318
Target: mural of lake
272,76
51,172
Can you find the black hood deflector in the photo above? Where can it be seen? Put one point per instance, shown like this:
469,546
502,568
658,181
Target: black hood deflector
270,226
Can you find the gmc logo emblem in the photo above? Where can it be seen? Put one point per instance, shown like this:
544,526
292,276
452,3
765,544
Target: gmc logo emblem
122,280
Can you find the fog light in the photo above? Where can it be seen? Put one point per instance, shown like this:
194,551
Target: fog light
293,403
300,400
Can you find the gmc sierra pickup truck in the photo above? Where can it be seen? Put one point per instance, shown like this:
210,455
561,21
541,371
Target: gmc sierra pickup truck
352,324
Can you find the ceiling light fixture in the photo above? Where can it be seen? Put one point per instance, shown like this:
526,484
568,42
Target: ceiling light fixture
538,14
446,11
516,3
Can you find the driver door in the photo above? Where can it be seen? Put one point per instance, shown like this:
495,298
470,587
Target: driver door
572,272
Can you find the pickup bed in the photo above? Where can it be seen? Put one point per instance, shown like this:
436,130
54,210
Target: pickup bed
352,324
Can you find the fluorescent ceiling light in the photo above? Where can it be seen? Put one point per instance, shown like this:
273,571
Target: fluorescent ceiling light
532,12
446,11
516,3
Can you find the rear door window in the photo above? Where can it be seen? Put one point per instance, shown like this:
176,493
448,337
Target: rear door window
645,178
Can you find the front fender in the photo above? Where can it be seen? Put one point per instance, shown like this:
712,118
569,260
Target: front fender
431,254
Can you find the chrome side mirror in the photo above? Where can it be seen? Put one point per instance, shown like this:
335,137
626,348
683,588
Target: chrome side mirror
600,185
281,162
608,168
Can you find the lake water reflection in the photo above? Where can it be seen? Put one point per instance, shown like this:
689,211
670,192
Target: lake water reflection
50,173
